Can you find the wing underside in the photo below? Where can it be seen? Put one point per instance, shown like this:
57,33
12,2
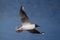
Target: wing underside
34,31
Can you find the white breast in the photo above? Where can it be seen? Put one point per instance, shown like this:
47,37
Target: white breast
28,26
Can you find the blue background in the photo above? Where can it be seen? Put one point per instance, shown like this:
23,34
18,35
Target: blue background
45,13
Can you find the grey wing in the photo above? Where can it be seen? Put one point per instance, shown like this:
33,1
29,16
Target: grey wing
24,17
34,31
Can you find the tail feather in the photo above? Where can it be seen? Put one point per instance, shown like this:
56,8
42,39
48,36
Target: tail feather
37,25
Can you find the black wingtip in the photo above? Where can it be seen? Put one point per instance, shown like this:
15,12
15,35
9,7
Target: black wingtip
22,8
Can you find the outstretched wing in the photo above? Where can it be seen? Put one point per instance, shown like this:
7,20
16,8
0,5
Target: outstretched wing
24,17
34,31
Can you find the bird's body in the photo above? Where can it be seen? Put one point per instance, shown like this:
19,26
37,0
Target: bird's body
26,24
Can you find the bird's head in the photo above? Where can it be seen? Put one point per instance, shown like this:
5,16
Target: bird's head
19,30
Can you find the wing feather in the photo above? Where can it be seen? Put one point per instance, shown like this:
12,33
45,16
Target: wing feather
34,31
24,17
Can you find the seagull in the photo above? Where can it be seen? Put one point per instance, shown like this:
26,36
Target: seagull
26,24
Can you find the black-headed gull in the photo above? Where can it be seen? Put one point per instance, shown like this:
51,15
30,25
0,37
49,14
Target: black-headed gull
26,24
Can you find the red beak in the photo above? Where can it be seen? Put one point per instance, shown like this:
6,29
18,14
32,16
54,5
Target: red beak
19,30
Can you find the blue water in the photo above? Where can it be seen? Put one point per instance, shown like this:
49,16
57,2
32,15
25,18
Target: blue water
45,13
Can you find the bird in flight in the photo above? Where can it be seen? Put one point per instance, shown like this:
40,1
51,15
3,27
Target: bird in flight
26,24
